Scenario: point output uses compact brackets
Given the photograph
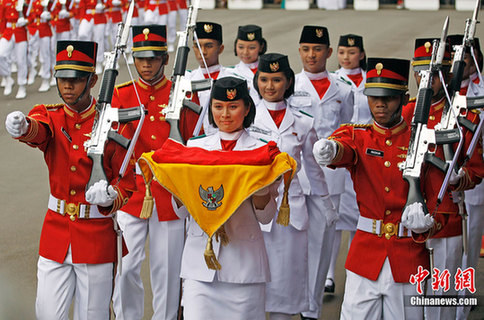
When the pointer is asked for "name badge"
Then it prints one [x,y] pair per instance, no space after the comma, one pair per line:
[375,153]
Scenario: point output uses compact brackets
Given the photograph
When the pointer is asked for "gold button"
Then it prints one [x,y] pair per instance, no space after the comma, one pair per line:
[75,147]
[73,192]
[389,228]
[153,137]
[387,189]
[162,118]
[387,164]
[388,236]
[152,98]
[78,126]
[431,117]
[387,212]
[152,118]
[73,168]
[388,142]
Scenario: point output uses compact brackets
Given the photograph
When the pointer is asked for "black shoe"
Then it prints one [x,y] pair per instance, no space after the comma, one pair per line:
[329,288]
[306,318]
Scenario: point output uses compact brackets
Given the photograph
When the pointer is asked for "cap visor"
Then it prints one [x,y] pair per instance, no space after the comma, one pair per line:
[382,92]
[69,73]
[148,54]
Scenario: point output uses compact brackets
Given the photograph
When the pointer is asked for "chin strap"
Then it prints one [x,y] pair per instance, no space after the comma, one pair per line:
[80,96]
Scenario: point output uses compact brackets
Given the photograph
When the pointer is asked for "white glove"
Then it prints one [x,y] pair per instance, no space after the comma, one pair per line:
[116,3]
[64,14]
[415,219]
[21,22]
[45,16]
[455,177]
[99,8]
[16,124]
[324,151]
[101,194]
[329,210]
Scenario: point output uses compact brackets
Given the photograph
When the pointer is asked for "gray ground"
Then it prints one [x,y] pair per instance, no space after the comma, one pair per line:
[24,188]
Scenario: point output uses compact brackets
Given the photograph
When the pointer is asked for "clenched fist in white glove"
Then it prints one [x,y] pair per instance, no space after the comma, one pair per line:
[64,14]
[16,124]
[455,177]
[99,7]
[45,16]
[116,3]
[324,151]
[21,22]
[101,194]
[415,219]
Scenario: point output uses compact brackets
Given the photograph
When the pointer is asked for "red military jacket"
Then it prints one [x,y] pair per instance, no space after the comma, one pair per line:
[60,133]
[60,25]
[36,23]
[371,153]
[153,134]
[113,13]
[433,178]
[9,16]
[87,11]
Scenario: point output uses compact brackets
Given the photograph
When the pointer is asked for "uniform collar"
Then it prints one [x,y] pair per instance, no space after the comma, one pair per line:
[396,129]
[274,106]
[351,71]
[436,106]
[212,69]
[252,65]
[86,113]
[230,135]
[157,85]
[316,76]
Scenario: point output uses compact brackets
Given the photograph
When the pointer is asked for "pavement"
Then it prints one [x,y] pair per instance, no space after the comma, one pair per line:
[24,189]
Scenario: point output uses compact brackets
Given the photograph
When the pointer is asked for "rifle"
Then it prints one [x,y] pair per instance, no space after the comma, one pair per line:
[181,87]
[107,117]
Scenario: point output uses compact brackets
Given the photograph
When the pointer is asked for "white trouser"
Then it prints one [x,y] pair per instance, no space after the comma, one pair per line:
[447,256]
[154,17]
[88,31]
[336,248]
[380,299]
[66,35]
[166,239]
[475,229]
[182,18]
[171,27]
[41,47]
[320,244]
[7,47]
[91,286]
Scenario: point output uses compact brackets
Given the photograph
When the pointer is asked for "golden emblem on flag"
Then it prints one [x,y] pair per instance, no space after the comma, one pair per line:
[211,198]
[70,49]
[379,68]
[208,28]
[251,36]
[319,33]
[231,93]
[274,66]
[427,46]
[146,31]
[351,41]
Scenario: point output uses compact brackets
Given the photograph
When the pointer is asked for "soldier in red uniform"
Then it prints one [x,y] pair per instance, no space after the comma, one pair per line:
[13,42]
[447,244]
[162,226]
[388,246]
[92,26]
[78,239]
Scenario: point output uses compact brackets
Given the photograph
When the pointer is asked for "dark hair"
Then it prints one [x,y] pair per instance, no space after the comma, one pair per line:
[363,64]
[249,118]
[289,76]
[262,42]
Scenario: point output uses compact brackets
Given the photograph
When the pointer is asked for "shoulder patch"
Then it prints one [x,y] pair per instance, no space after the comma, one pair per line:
[356,125]
[305,113]
[124,84]
[198,137]
[412,99]
[344,81]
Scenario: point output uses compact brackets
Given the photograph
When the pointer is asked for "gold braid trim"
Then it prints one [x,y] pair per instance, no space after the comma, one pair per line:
[32,131]
[222,236]
[210,258]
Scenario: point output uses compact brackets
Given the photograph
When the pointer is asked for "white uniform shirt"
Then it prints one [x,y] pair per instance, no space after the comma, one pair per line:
[244,70]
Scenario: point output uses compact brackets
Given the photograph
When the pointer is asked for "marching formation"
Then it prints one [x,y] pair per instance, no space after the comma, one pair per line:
[245,221]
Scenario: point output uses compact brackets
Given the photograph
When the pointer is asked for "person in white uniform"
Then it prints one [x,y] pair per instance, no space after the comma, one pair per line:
[237,290]
[352,62]
[210,40]
[330,101]
[248,46]
[278,120]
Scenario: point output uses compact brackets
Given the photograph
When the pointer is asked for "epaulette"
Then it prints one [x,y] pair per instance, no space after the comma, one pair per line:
[344,80]
[476,111]
[124,84]
[53,106]
[198,137]
[305,113]
[356,125]
[412,99]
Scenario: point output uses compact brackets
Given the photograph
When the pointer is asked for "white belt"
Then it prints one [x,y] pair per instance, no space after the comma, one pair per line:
[83,211]
[10,25]
[92,11]
[379,228]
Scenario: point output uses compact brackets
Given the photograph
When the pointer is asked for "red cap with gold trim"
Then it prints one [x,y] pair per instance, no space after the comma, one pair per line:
[386,77]
[149,41]
[75,59]
[423,54]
